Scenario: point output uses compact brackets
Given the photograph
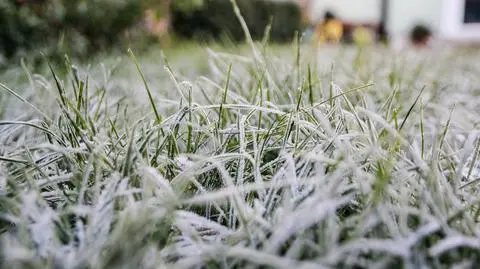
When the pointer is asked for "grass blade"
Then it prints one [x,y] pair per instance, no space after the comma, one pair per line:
[411,108]
[158,118]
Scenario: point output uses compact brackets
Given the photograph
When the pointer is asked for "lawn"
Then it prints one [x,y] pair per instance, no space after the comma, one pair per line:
[268,157]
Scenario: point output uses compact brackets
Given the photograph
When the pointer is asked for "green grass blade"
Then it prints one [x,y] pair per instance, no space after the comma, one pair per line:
[158,118]
[411,108]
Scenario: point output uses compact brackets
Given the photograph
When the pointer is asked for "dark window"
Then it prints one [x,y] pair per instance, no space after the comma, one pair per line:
[472,11]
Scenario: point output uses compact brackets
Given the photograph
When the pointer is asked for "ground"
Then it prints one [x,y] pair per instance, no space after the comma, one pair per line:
[254,157]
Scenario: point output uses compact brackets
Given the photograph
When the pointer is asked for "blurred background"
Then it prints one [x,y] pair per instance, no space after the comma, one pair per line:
[84,28]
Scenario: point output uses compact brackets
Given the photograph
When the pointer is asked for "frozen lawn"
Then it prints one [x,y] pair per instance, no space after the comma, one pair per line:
[336,158]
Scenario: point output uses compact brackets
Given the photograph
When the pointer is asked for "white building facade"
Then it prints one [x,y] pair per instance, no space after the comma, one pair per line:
[457,20]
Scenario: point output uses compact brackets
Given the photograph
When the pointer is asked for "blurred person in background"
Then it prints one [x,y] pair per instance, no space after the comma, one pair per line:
[157,22]
[330,30]
[305,8]
[420,36]
[309,26]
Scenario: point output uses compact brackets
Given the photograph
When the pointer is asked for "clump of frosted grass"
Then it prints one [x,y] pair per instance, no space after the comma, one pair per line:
[291,157]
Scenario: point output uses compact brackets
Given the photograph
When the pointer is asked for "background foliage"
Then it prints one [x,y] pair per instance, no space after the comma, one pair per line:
[57,25]
[216,19]
[84,27]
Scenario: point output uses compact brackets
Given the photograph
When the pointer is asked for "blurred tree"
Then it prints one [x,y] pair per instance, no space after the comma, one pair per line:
[21,2]
[158,17]
[83,27]
[187,6]
[55,26]
[19,26]
[101,22]
[215,19]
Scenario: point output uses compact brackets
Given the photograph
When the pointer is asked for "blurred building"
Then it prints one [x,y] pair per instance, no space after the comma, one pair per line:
[457,20]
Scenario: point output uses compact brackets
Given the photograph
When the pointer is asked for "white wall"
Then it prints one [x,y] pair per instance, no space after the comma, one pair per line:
[350,10]
[452,22]
[403,14]
[444,17]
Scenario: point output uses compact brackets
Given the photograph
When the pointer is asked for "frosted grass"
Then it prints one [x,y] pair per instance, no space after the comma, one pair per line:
[324,161]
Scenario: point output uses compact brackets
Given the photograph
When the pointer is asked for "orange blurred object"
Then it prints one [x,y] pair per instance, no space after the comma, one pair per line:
[157,26]
[330,31]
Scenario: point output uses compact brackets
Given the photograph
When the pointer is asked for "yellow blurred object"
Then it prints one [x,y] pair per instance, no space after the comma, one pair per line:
[362,36]
[330,31]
